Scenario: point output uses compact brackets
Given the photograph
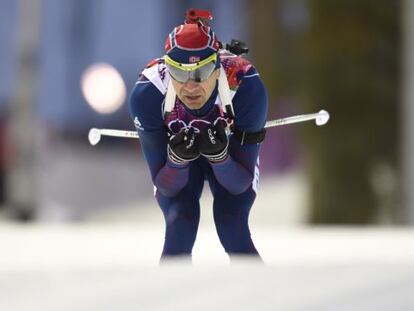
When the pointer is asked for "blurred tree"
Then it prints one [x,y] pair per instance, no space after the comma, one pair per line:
[353,51]
[22,186]
[343,56]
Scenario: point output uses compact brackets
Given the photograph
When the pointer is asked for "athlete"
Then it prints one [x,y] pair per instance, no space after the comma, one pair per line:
[200,111]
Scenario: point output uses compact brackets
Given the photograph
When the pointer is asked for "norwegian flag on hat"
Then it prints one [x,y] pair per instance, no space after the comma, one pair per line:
[194,40]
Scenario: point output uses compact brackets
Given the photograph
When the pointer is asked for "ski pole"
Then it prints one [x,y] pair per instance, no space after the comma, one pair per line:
[321,118]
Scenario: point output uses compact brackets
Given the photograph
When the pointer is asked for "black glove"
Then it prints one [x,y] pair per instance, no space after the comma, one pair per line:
[212,142]
[182,147]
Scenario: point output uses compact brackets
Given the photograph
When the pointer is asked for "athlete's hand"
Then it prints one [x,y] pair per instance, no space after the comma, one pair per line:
[182,146]
[212,142]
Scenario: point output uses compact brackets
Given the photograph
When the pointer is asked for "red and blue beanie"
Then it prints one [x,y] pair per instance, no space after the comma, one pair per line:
[193,41]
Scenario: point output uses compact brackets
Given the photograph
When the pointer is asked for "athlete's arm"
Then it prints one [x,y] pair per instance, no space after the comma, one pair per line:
[236,173]
[146,111]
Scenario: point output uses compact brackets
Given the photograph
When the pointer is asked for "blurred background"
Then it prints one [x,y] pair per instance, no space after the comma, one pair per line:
[69,65]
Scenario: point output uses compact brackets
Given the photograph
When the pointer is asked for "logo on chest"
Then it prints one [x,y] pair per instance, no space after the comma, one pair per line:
[180,118]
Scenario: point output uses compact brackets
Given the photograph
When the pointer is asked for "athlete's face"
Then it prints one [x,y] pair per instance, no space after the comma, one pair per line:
[195,94]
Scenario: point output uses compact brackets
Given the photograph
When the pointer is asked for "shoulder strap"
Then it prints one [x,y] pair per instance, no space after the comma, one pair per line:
[169,99]
[224,93]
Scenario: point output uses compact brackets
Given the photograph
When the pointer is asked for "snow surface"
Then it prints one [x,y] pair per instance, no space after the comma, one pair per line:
[115,267]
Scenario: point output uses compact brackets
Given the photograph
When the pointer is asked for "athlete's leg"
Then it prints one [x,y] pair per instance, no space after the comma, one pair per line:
[231,215]
[182,215]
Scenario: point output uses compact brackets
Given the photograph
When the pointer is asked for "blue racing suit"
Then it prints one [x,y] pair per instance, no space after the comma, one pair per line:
[233,182]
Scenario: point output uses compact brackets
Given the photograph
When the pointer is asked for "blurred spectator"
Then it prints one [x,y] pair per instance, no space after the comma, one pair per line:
[5,150]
